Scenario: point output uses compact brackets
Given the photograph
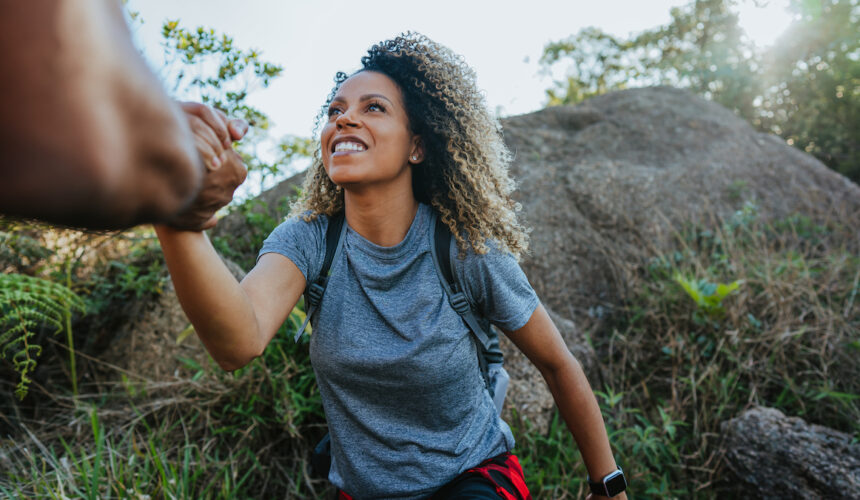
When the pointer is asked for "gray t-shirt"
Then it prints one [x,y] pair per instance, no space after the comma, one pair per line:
[396,366]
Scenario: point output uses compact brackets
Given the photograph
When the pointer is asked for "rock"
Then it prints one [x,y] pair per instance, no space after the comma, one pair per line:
[781,457]
[274,203]
[605,184]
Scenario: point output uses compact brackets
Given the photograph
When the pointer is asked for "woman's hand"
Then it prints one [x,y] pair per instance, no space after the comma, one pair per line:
[225,171]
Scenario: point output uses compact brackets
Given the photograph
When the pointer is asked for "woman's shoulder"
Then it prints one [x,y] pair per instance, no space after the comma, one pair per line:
[305,230]
[307,221]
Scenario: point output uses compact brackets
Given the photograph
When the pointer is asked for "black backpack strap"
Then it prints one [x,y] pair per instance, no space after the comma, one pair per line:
[485,339]
[315,290]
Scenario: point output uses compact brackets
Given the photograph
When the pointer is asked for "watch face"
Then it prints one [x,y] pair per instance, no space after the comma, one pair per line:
[615,483]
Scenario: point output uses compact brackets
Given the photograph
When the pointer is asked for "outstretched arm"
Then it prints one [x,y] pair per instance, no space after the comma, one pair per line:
[88,136]
[234,321]
[541,342]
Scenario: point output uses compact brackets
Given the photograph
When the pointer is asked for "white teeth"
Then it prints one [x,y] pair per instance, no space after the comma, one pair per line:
[348,146]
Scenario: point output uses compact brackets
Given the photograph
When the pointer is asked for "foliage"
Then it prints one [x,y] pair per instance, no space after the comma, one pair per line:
[20,249]
[26,304]
[804,88]
[813,78]
[248,432]
[708,296]
[647,451]
[211,435]
[673,373]
[258,220]
[703,361]
[138,273]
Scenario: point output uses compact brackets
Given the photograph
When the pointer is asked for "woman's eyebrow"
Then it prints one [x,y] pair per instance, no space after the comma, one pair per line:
[367,97]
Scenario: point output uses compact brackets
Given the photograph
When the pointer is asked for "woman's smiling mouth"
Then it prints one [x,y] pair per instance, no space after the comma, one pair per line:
[347,145]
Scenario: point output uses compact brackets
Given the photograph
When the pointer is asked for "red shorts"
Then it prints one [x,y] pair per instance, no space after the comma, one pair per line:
[497,477]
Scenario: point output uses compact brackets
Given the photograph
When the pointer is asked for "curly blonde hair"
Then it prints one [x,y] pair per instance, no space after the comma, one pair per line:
[464,175]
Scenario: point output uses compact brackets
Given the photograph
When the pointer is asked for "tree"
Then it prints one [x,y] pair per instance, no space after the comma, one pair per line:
[806,88]
[813,78]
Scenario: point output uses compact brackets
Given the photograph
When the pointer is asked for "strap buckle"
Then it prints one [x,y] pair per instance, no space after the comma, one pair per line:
[459,302]
[315,292]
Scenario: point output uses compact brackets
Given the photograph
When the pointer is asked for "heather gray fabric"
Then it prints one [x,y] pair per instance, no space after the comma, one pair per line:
[396,366]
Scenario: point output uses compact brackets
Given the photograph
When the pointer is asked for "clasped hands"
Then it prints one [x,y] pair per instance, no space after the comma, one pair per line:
[214,134]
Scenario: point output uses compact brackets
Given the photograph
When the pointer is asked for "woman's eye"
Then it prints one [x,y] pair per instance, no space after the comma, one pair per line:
[375,106]
[333,111]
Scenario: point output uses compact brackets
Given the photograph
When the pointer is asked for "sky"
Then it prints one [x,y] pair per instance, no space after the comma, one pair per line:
[502,40]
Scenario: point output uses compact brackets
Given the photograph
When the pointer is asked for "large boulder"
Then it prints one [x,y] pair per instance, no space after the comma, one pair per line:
[606,183]
[781,457]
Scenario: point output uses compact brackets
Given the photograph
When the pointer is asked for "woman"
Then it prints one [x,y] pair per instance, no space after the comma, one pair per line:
[409,416]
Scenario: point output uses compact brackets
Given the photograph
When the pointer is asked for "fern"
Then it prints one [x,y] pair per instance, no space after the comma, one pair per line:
[27,303]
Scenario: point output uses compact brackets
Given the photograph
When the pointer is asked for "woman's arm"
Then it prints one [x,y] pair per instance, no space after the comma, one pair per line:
[541,342]
[234,321]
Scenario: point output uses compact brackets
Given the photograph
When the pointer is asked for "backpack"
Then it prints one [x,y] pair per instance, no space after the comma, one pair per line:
[490,357]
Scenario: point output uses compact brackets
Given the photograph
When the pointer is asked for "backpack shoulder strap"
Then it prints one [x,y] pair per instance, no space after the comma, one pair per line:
[485,338]
[314,291]
[441,250]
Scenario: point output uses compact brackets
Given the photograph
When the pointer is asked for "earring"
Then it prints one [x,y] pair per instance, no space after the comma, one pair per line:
[414,158]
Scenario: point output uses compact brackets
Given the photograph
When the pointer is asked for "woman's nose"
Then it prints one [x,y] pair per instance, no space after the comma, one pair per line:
[345,120]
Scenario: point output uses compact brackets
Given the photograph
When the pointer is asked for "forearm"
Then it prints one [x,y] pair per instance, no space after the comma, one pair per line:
[220,310]
[578,406]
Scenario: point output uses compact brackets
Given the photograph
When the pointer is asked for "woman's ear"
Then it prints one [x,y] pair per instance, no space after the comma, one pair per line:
[416,154]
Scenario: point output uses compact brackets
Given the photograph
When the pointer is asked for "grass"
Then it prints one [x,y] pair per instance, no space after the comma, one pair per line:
[745,312]
[764,314]
[785,337]
[215,435]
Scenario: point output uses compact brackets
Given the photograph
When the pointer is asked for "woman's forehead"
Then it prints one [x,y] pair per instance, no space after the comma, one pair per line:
[369,82]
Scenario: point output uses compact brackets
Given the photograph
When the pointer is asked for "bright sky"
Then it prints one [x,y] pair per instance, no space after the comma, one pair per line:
[502,40]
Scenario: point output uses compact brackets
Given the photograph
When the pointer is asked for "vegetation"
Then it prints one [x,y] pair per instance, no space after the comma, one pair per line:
[26,304]
[686,355]
[805,88]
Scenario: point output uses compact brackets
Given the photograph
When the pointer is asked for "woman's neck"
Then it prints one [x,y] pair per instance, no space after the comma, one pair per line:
[381,218]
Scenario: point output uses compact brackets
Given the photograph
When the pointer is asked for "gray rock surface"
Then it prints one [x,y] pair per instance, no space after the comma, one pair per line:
[606,183]
[783,457]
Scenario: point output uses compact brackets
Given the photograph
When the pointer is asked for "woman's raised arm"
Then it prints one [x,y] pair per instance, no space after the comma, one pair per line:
[234,321]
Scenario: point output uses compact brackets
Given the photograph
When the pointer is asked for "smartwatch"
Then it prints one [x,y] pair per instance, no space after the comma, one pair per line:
[611,484]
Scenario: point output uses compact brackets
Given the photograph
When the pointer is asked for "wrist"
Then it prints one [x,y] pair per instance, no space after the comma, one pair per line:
[610,485]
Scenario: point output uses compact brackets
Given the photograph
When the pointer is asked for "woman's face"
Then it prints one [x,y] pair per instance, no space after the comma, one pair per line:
[367,139]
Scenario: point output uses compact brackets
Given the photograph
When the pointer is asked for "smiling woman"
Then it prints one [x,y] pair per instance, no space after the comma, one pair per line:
[404,142]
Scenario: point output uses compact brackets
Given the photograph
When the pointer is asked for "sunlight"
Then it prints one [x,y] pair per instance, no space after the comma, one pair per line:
[764,21]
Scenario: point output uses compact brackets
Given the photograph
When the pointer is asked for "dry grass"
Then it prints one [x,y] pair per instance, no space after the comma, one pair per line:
[788,338]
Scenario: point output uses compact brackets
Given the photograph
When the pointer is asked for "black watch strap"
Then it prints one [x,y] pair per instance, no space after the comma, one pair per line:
[611,484]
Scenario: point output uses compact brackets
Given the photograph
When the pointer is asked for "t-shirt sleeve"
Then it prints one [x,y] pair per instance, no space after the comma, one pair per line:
[497,286]
[299,241]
